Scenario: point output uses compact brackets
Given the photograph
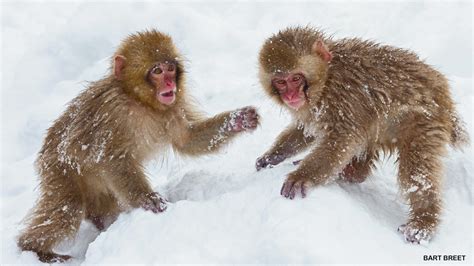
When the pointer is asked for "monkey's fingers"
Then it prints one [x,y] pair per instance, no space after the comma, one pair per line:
[302,187]
[249,109]
[154,202]
[155,208]
[50,257]
[292,187]
[297,162]
[287,189]
[250,118]
[252,124]
[268,161]
[159,206]
[297,186]
[414,235]
[262,162]
[163,205]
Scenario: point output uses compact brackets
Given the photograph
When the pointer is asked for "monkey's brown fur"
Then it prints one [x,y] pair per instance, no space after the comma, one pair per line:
[369,98]
[91,162]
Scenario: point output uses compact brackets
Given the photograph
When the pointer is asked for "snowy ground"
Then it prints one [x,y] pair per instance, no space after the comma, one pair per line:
[222,210]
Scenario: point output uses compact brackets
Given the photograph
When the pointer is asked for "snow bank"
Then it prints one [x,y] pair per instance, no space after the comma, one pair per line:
[222,210]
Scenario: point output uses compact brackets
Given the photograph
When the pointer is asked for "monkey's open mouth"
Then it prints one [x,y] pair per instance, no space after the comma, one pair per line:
[167,97]
[167,94]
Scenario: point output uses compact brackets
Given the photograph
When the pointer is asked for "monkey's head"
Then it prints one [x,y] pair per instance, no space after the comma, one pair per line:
[292,63]
[150,68]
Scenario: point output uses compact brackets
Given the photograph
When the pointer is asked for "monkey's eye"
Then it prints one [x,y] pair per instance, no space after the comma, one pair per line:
[279,85]
[296,78]
[171,67]
[157,70]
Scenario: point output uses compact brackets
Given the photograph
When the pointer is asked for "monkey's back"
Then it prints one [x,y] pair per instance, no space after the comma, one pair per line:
[378,86]
[401,72]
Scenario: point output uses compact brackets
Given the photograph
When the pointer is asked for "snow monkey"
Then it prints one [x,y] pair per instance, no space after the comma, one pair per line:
[91,162]
[351,100]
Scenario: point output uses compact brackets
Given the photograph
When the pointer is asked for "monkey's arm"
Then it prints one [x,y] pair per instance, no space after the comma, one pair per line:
[291,141]
[329,157]
[208,135]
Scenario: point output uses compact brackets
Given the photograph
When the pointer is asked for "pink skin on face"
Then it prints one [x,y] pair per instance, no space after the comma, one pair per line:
[163,77]
[290,87]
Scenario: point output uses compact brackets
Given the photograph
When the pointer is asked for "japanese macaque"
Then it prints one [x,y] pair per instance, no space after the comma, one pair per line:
[351,100]
[91,162]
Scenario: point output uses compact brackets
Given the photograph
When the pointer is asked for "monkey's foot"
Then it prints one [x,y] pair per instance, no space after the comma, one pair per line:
[351,174]
[294,186]
[50,257]
[415,234]
[98,222]
[154,202]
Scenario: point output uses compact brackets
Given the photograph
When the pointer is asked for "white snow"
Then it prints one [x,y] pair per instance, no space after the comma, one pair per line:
[221,210]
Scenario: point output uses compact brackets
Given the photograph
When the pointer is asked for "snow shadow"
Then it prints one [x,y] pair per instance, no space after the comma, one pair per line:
[381,200]
[202,185]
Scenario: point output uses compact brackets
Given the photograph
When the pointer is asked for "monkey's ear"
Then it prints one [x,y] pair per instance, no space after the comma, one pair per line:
[320,48]
[119,64]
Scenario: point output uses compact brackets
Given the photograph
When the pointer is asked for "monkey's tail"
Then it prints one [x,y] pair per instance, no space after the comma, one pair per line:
[56,217]
[459,135]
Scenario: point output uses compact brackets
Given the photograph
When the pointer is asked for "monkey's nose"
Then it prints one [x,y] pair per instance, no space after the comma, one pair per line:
[169,83]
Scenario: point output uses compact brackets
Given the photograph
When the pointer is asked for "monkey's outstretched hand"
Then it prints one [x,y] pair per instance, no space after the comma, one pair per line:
[243,119]
[296,185]
[154,202]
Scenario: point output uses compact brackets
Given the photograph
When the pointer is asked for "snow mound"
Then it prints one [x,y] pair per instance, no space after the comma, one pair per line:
[221,210]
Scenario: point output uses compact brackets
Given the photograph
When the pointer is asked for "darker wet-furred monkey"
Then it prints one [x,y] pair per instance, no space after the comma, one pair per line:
[351,100]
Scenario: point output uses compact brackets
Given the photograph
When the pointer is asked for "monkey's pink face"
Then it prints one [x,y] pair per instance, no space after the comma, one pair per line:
[290,88]
[163,78]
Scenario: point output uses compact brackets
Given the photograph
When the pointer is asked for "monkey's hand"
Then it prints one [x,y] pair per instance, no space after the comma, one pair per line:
[269,160]
[242,119]
[295,184]
[154,202]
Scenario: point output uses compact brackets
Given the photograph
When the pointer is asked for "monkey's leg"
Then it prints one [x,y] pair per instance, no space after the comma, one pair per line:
[56,217]
[131,185]
[358,169]
[103,221]
[328,158]
[208,135]
[102,210]
[291,141]
[419,176]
